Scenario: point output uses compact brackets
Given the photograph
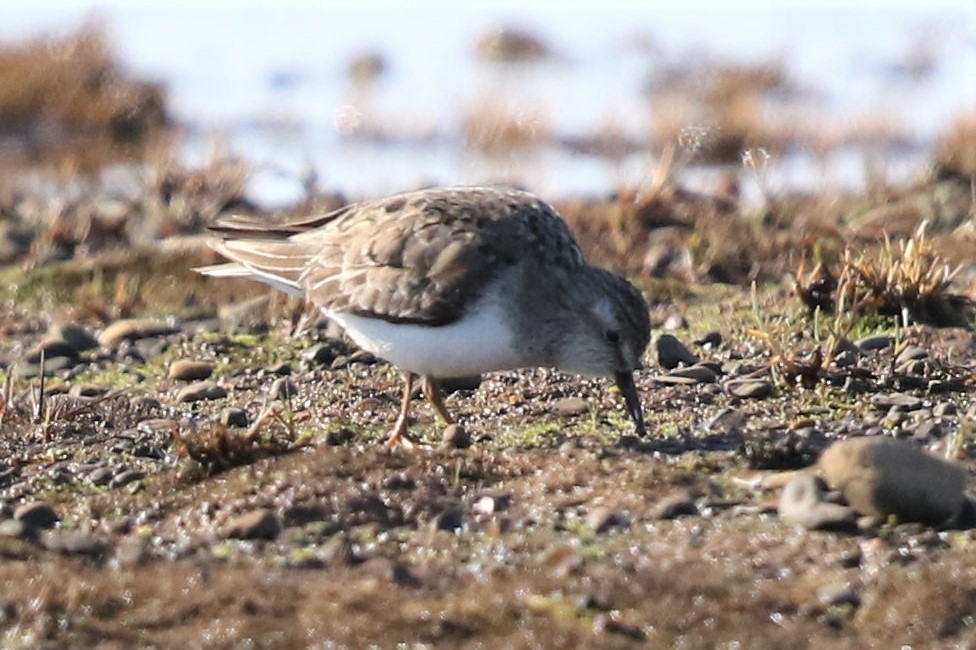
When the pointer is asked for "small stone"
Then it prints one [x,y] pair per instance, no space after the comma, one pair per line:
[14,528]
[803,502]
[321,354]
[282,369]
[256,524]
[900,400]
[882,476]
[456,436]
[450,519]
[749,388]
[37,514]
[671,352]
[126,477]
[363,357]
[570,406]
[74,542]
[601,519]
[696,374]
[944,409]
[100,476]
[201,390]
[232,416]
[337,552]
[928,431]
[840,593]
[911,353]
[710,340]
[674,506]
[51,349]
[725,422]
[872,343]
[77,337]
[190,370]
[283,388]
[132,329]
[674,322]
[248,315]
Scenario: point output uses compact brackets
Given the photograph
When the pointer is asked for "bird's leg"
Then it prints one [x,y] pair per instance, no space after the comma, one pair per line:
[433,393]
[398,436]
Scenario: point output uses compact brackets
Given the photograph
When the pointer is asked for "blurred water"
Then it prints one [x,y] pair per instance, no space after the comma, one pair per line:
[272,83]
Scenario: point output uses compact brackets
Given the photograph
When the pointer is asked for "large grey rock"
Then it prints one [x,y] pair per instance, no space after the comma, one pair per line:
[883,476]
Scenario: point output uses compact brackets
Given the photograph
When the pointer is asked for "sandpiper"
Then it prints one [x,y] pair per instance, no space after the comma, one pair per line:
[451,282]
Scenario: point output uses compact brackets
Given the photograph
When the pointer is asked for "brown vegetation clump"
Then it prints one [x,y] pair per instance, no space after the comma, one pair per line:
[906,278]
[67,100]
[956,154]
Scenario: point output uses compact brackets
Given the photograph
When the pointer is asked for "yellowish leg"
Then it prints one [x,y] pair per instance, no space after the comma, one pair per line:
[432,391]
[398,436]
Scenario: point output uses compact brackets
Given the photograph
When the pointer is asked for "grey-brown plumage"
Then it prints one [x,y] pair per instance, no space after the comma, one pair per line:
[434,258]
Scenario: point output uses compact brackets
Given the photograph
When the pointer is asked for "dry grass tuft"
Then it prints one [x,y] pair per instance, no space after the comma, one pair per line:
[907,278]
[67,100]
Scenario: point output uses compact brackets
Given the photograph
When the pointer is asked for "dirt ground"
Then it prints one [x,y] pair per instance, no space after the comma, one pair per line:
[192,463]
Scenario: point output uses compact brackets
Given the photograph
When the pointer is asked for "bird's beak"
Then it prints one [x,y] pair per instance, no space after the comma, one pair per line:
[625,382]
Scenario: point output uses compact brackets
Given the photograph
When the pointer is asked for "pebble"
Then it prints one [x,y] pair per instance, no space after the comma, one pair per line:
[882,476]
[37,514]
[871,343]
[248,315]
[190,370]
[450,519]
[674,322]
[749,388]
[282,369]
[802,502]
[674,506]
[283,388]
[710,340]
[100,476]
[696,374]
[14,528]
[337,551]
[456,436]
[131,329]
[232,416]
[77,337]
[601,519]
[911,353]
[320,354]
[570,406]
[201,390]
[671,352]
[900,400]
[126,477]
[944,409]
[838,593]
[74,542]
[256,524]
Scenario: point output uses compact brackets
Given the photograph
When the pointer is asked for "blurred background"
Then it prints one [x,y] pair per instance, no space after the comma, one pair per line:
[579,101]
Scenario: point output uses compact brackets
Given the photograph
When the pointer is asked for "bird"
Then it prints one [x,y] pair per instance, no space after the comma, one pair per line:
[450,282]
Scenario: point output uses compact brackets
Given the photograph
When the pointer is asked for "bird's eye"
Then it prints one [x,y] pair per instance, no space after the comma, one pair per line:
[612,336]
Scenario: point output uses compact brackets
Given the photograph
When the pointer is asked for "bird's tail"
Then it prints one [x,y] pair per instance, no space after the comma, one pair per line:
[279,263]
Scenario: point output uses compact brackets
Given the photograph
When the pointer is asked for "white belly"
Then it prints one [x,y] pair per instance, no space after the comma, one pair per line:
[480,342]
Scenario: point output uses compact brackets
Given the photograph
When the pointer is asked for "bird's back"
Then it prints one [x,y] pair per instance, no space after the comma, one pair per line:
[418,257]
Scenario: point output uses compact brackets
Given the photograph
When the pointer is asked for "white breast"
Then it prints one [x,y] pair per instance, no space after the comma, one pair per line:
[480,342]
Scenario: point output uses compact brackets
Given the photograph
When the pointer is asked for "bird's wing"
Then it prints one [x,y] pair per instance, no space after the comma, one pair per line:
[410,258]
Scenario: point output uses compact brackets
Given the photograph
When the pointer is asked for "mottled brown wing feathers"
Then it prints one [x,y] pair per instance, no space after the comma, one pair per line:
[413,258]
